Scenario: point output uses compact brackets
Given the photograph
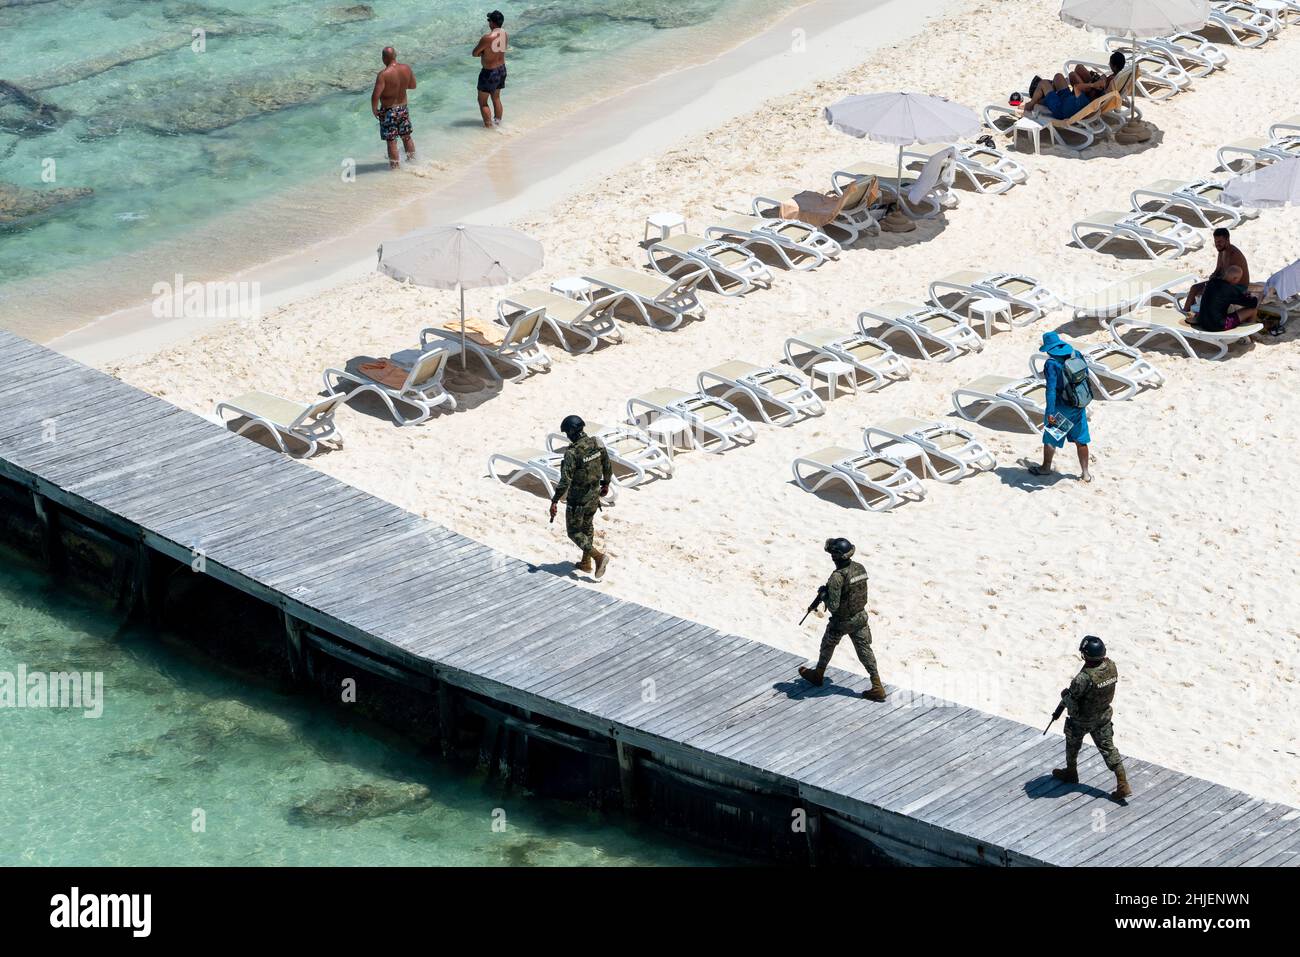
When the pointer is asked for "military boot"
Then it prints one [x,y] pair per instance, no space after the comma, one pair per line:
[877,690]
[585,564]
[1069,774]
[1122,790]
[813,675]
[602,562]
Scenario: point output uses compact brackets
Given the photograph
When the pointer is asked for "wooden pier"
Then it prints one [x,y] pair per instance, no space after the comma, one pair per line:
[680,711]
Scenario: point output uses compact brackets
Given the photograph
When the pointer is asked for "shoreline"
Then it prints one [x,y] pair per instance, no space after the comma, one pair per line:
[630,123]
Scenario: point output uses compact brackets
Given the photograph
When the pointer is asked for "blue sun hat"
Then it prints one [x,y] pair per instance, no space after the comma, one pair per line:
[1054,345]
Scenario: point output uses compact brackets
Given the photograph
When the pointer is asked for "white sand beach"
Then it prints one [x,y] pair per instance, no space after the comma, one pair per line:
[1181,554]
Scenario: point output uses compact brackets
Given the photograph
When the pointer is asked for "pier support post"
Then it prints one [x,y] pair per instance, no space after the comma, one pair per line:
[294,647]
[813,833]
[48,517]
[627,775]
[446,720]
[146,595]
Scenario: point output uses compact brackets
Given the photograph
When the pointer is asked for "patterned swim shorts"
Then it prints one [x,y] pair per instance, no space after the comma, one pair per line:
[395,122]
[490,81]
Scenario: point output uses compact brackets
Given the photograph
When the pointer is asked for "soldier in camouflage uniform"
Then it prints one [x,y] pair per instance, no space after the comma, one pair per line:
[845,595]
[585,475]
[1087,704]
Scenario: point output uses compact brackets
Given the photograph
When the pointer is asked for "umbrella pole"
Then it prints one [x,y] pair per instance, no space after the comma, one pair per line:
[462,325]
[1133,131]
[898,221]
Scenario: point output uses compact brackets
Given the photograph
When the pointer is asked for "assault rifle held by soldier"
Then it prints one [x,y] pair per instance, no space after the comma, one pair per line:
[819,600]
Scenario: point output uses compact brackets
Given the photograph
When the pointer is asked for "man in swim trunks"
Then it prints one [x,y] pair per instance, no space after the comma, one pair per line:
[491,51]
[1065,96]
[388,103]
[1220,293]
[1229,255]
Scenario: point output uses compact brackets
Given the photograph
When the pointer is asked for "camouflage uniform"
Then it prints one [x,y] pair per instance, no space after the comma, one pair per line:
[585,469]
[1087,702]
[846,600]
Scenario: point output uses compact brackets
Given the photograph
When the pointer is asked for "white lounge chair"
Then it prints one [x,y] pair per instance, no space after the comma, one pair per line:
[1289,126]
[661,302]
[1128,294]
[1115,371]
[1252,152]
[633,454]
[1196,55]
[765,387]
[418,385]
[307,424]
[1167,321]
[1244,26]
[1198,198]
[1145,230]
[1025,396]
[889,481]
[516,345]
[851,214]
[868,355]
[1094,122]
[797,244]
[1155,79]
[937,333]
[923,196]
[1029,299]
[948,453]
[985,168]
[587,322]
[711,424]
[538,464]
[732,269]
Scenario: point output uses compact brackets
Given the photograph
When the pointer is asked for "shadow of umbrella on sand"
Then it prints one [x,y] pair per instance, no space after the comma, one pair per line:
[461,256]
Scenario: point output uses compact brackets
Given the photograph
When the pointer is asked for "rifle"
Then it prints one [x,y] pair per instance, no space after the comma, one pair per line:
[819,600]
[1055,714]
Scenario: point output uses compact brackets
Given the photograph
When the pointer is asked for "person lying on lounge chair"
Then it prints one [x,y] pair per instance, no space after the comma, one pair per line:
[1218,295]
[1064,96]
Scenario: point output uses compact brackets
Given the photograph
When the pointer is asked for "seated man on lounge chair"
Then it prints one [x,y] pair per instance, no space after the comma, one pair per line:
[1229,255]
[1065,96]
[1217,296]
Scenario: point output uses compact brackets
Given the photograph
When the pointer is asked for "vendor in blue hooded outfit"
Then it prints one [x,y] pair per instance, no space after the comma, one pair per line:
[1058,350]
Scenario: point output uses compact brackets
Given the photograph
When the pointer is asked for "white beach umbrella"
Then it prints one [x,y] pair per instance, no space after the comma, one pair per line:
[1137,20]
[460,256]
[902,119]
[1277,184]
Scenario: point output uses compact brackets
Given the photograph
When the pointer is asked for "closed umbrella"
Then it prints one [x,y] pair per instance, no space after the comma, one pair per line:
[1137,20]
[461,256]
[1277,184]
[902,119]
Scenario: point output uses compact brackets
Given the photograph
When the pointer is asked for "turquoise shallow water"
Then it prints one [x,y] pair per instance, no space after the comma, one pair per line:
[275,776]
[112,97]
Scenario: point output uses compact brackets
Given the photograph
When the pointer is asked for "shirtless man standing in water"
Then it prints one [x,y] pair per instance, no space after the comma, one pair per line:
[388,103]
[491,51]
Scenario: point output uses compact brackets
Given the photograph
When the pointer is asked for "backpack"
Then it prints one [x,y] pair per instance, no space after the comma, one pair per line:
[1074,390]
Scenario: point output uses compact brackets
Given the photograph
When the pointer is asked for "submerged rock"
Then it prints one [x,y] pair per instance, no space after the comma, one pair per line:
[24,113]
[18,204]
[341,806]
[352,14]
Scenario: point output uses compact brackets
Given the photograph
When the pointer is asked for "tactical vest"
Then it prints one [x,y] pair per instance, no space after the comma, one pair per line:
[853,591]
[587,469]
[1093,706]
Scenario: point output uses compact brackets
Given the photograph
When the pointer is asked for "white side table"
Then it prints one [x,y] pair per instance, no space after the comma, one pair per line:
[665,223]
[832,371]
[665,429]
[988,310]
[1276,11]
[575,287]
[1030,126]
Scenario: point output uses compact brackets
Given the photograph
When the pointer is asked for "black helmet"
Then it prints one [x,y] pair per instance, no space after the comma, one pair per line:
[1092,648]
[572,427]
[839,547]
